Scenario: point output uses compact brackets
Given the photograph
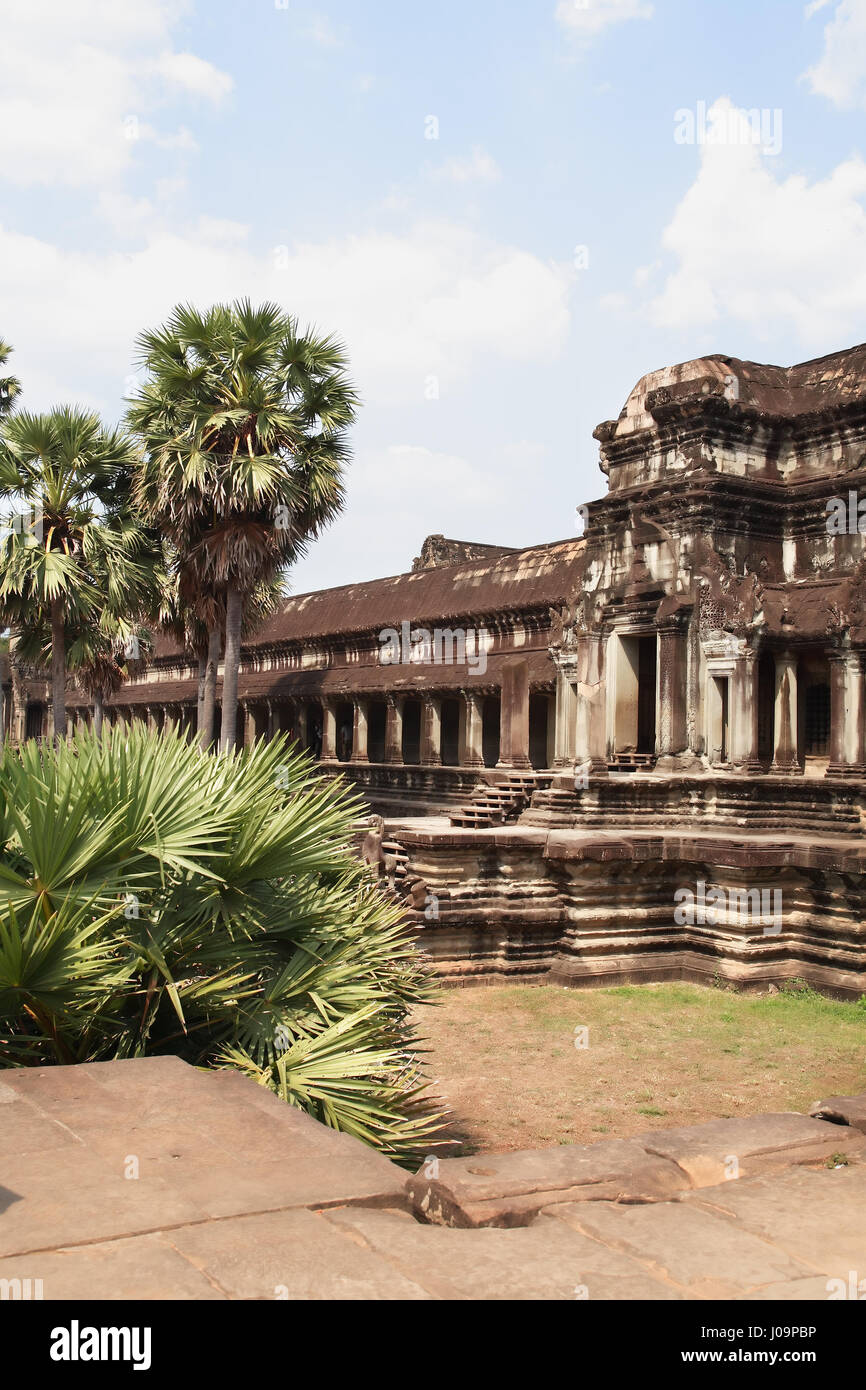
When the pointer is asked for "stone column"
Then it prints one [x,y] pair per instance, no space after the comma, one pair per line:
[838,712]
[592,705]
[567,711]
[745,715]
[329,732]
[472,748]
[671,736]
[269,706]
[359,733]
[514,716]
[785,759]
[393,728]
[431,732]
[847,731]
[249,726]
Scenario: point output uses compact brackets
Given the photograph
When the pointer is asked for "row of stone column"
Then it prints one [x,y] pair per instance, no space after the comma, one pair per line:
[260,721]
[514,728]
[581,707]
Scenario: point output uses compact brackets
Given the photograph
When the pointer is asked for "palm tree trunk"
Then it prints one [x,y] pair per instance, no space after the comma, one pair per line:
[98,714]
[234,618]
[205,727]
[202,672]
[58,669]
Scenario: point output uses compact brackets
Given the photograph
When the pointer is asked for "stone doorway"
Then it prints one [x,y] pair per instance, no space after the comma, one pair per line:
[412,732]
[766,706]
[718,692]
[450,733]
[539,715]
[635,687]
[345,730]
[376,714]
[490,730]
[813,713]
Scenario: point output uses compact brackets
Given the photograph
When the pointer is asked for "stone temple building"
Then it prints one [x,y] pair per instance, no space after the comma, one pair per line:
[634,754]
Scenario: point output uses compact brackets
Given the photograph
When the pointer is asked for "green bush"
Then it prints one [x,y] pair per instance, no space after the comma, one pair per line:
[155,899]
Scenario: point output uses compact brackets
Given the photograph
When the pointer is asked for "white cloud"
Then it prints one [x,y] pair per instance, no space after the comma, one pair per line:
[195,75]
[586,18]
[840,73]
[432,302]
[777,254]
[76,82]
[480,167]
[390,507]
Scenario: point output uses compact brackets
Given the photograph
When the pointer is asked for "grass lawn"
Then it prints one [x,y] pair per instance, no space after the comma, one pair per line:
[504,1059]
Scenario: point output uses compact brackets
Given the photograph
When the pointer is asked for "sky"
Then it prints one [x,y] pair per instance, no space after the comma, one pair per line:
[508,210]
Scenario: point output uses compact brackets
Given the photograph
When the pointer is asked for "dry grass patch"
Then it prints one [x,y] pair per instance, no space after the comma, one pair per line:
[658,1056]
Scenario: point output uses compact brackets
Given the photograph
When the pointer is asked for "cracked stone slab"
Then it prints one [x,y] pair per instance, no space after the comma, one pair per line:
[697,1250]
[107,1150]
[816,1216]
[842,1110]
[722,1149]
[509,1189]
[543,1261]
[141,1267]
[291,1255]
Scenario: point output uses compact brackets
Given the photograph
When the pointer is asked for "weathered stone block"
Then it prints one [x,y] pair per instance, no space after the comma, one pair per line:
[509,1189]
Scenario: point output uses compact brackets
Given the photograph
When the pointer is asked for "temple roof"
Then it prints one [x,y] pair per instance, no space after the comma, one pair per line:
[807,387]
[518,580]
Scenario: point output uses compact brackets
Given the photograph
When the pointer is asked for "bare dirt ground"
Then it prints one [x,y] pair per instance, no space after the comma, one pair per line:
[529,1067]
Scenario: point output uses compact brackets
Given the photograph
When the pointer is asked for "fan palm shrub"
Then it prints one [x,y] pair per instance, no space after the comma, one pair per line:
[155,900]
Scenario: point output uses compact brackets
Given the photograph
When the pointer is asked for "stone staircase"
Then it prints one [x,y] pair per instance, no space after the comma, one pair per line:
[497,803]
[396,854]
[632,762]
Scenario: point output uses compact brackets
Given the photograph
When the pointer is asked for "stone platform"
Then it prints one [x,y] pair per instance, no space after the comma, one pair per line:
[590,905]
[147,1179]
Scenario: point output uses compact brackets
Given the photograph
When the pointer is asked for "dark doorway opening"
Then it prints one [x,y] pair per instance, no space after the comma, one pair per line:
[766,706]
[539,713]
[345,730]
[33,721]
[376,713]
[490,715]
[412,732]
[646,695]
[450,747]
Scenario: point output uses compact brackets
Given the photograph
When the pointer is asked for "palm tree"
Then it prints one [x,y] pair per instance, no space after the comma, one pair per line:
[10,386]
[86,550]
[244,421]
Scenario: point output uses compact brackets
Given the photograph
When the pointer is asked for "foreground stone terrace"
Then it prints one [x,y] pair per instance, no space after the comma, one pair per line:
[239,1196]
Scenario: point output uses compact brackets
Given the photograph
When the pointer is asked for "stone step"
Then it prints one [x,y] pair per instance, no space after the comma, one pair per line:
[510,1189]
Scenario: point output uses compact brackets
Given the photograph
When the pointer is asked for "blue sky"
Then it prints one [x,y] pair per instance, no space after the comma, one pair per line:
[501,287]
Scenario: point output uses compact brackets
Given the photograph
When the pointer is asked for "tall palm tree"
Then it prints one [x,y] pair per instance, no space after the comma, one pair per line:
[10,386]
[244,420]
[87,549]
